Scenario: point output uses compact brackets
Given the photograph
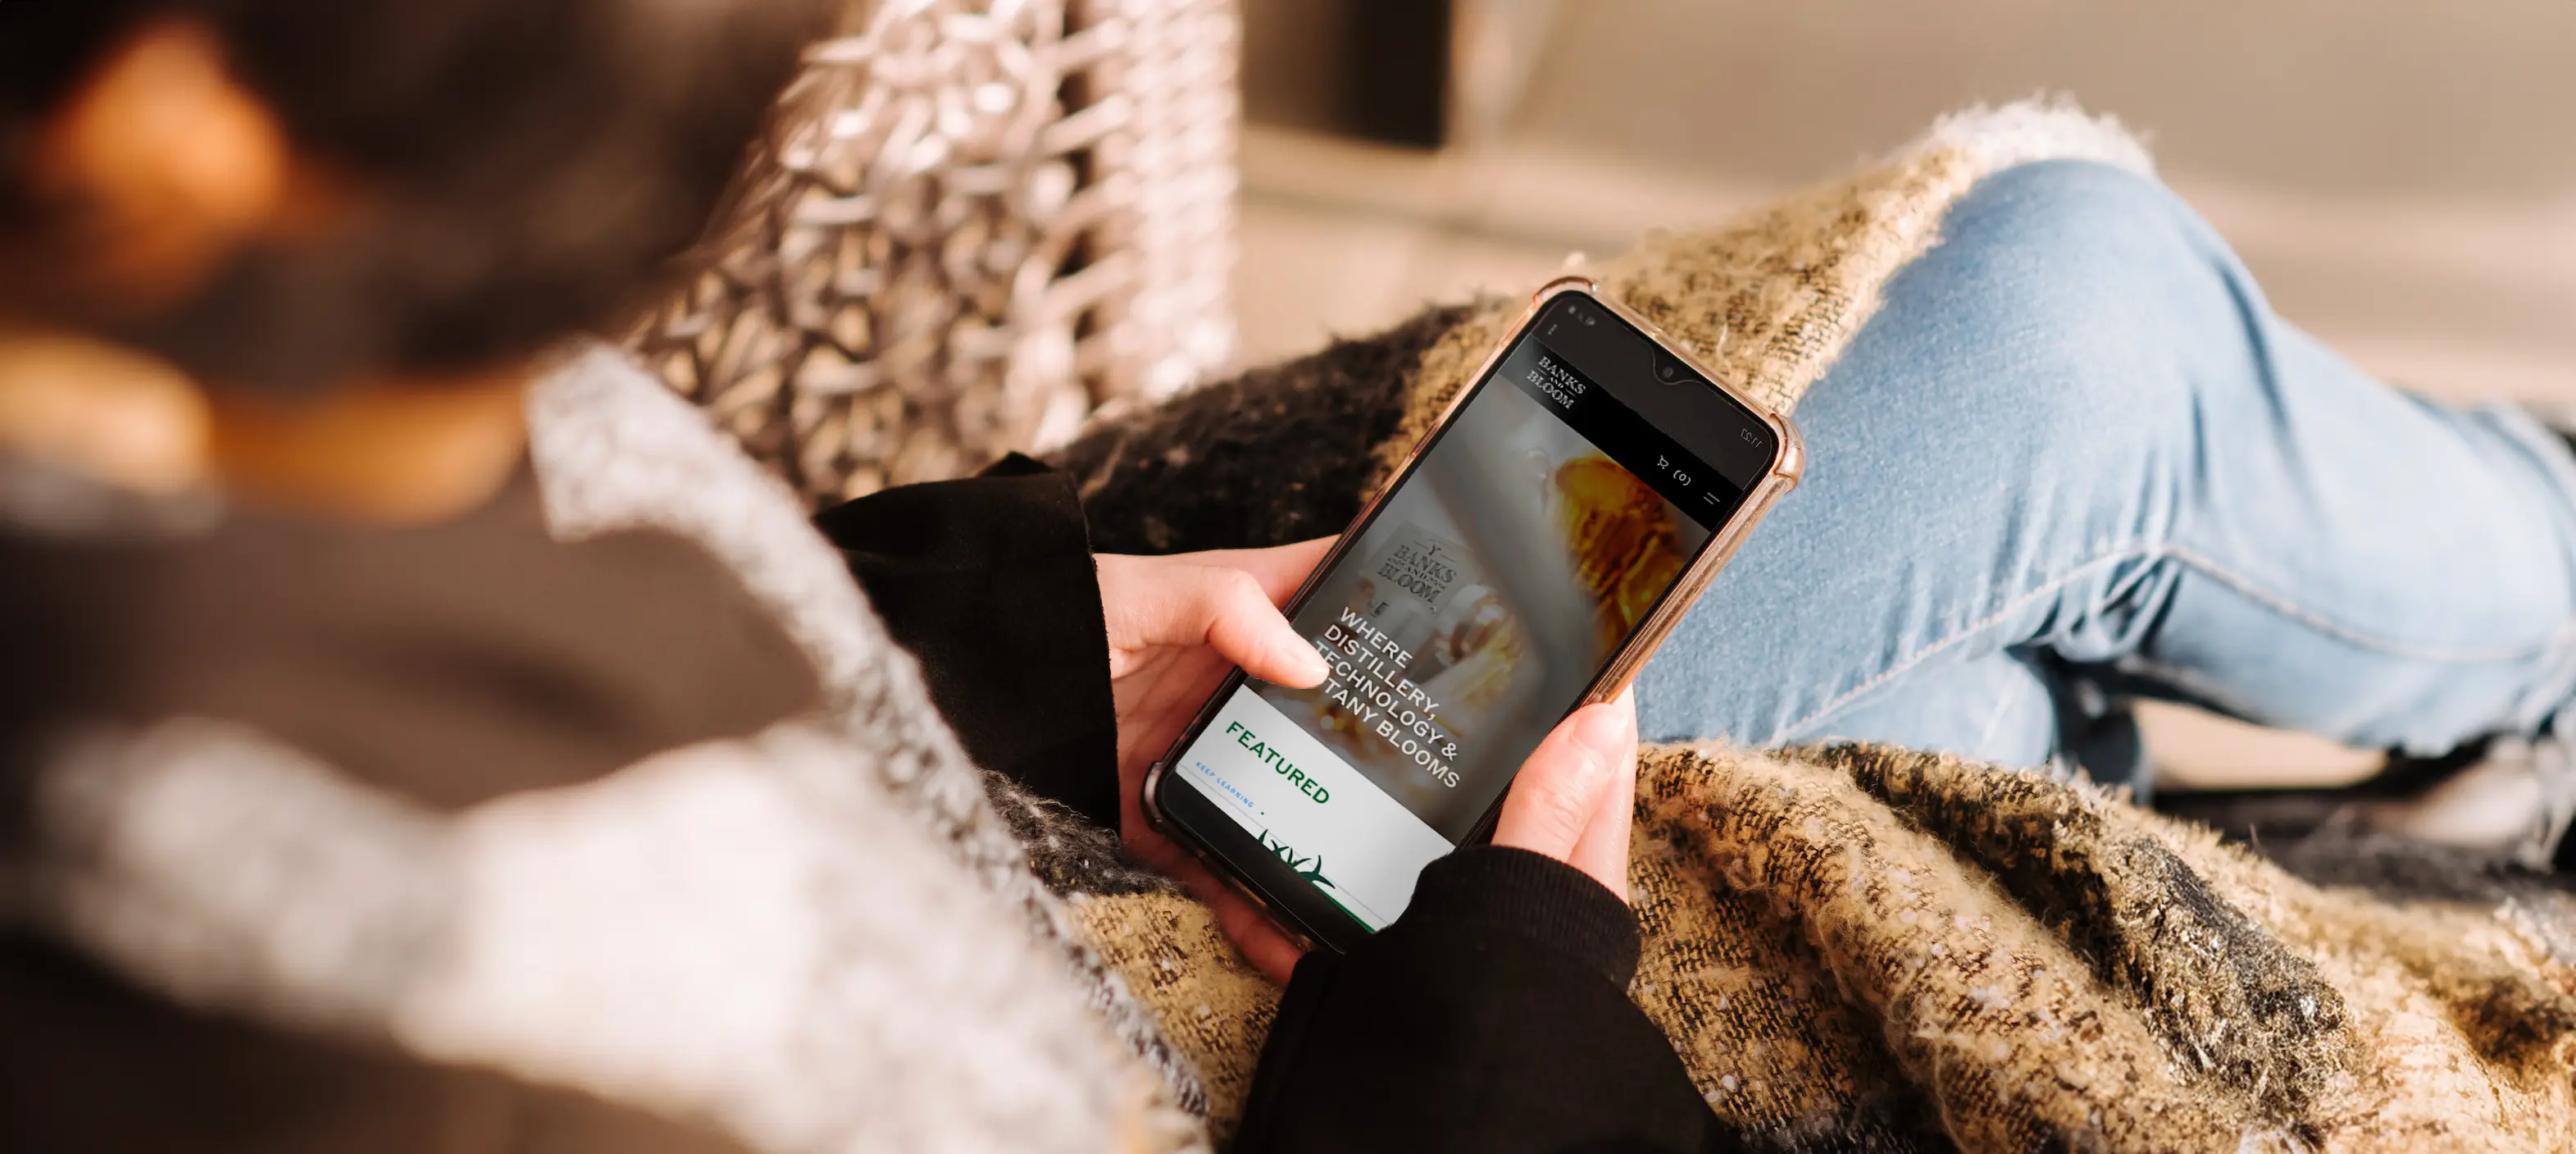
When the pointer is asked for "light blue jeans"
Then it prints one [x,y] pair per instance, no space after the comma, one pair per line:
[2075,458]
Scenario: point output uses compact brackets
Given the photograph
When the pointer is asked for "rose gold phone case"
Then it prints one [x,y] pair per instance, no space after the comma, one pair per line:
[1787,465]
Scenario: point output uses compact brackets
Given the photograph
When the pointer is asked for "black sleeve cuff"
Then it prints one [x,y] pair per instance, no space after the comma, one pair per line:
[1497,889]
[1492,1017]
[989,582]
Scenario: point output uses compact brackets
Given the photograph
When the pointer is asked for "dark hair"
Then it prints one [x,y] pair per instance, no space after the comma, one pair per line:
[534,163]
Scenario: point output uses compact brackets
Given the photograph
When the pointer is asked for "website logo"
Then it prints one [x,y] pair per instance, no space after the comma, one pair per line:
[1311,868]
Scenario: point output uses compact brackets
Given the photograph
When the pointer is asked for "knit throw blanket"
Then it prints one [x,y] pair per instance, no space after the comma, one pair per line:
[1870,949]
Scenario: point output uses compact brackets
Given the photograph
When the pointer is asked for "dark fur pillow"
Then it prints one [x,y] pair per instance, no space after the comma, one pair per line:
[1276,455]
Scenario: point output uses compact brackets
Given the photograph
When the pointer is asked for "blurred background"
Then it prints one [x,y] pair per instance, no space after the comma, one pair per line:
[2400,173]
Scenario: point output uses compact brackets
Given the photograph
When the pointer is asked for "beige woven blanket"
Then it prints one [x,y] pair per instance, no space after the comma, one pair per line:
[1874,949]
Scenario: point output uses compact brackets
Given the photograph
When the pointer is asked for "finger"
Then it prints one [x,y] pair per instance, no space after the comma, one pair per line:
[1227,610]
[1261,941]
[1561,785]
[1280,569]
[1602,851]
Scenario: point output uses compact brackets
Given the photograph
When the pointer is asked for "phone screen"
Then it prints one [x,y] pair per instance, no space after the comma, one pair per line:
[1469,615]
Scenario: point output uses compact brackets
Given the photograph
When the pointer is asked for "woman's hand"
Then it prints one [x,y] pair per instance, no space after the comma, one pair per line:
[1176,625]
[1574,797]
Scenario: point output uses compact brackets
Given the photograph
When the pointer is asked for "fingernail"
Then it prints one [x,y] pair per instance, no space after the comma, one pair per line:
[1310,665]
[1603,730]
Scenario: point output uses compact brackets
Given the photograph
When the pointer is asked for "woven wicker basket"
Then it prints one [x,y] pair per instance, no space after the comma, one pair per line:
[973,226]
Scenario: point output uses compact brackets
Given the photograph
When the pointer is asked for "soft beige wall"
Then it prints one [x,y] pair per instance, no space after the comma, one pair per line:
[2434,97]
[2400,173]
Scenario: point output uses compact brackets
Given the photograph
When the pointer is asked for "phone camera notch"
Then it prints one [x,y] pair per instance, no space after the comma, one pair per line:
[1670,370]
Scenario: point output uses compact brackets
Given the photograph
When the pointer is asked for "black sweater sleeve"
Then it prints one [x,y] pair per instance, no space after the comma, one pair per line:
[1493,1016]
[989,582]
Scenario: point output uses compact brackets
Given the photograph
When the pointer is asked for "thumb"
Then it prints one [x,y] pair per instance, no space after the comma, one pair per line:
[1564,784]
[1224,609]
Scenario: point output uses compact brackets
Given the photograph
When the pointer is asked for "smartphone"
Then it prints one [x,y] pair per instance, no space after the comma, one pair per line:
[1536,546]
